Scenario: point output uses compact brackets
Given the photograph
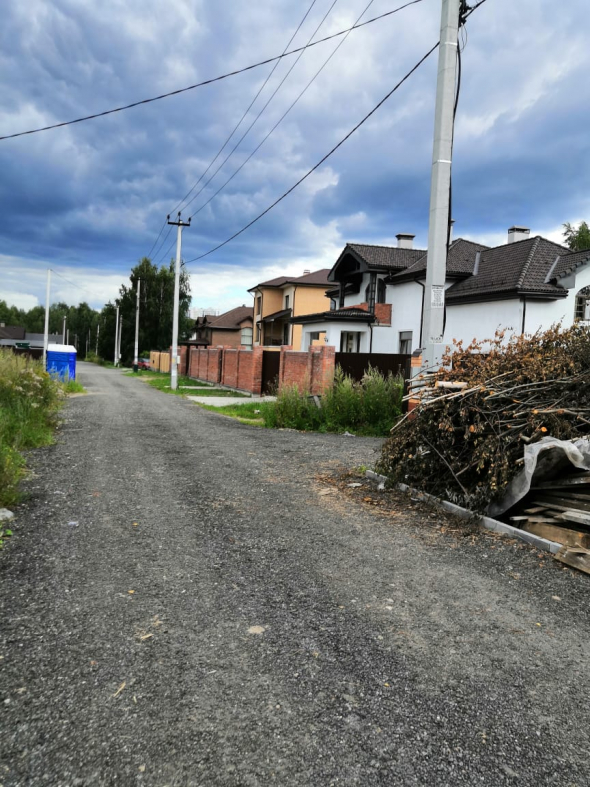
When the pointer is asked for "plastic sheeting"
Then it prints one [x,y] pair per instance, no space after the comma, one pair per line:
[543,461]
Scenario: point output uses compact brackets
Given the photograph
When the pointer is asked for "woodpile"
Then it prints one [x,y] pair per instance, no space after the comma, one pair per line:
[559,510]
[465,440]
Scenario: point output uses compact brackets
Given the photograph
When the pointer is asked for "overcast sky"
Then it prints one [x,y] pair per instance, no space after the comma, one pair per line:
[89,200]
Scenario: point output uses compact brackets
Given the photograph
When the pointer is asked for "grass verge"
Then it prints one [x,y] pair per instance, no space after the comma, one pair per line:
[161,381]
[29,403]
[248,413]
[367,408]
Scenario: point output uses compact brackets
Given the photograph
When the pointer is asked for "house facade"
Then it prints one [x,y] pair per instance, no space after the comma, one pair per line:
[523,286]
[231,329]
[278,302]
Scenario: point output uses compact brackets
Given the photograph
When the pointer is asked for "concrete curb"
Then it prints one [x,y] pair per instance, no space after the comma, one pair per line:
[484,521]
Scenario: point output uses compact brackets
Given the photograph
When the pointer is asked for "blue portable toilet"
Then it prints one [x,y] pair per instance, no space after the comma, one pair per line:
[61,361]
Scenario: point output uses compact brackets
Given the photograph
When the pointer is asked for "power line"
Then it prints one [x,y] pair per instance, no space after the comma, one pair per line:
[257,148]
[256,119]
[82,289]
[241,120]
[205,82]
[321,161]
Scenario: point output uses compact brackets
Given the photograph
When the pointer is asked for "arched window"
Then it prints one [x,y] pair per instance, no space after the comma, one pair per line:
[582,305]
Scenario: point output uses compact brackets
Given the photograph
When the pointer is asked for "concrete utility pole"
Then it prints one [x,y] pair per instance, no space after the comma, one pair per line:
[97,333]
[116,361]
[46,331]
[438,228]
[120,335]
[174,361]
[64,330]
[136,351]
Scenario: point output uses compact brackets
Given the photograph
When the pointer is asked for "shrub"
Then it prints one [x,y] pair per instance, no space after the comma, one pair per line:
[369,407]
[29,402]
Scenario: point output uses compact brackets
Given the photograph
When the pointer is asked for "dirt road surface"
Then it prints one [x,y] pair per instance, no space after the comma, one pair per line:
[186,601]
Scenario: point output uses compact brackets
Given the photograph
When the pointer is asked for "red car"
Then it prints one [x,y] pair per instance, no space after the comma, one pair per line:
[143,363]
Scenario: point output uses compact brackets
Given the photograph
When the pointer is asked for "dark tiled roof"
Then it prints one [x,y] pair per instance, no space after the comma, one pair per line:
[231,320]
[12,332]
[352,313]
[319,277]
[385,257]
[520,267]
[277,315]
[460,262]
[568,263]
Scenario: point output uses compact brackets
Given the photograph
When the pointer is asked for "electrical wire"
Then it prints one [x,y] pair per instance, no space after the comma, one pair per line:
[241,120]
[205,82]
[472,8]
[257,148]
[257,118]
[321,161]
[221,149]
[82,289]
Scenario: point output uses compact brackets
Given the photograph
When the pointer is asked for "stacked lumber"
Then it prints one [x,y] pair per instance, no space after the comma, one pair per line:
[559,510]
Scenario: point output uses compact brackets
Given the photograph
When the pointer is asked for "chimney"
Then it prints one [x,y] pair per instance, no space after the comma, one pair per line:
[405,241]
[518,233]
[306,272]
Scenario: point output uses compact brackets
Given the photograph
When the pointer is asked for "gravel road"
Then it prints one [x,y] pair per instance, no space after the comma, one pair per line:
[183,603]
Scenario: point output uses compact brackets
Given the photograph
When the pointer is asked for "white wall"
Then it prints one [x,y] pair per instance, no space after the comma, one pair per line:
[406,314]
[468,321]
[333,332]
[543,314]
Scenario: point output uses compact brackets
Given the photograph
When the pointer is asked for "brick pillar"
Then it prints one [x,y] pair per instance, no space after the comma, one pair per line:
[328,366]
[416,366]
[257,354]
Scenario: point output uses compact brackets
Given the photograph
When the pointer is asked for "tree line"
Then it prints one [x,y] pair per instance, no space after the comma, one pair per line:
[94,331]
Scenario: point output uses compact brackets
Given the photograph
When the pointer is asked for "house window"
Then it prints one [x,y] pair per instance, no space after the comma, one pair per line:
[258,332]
[286,301]
[246,337]
[258,304]
[405,342]
[582,312]
[381,289]
[286,333]
[350,342]
[314,336]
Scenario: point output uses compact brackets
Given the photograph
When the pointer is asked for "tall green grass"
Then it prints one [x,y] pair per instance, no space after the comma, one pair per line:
[369,407]
[29,402]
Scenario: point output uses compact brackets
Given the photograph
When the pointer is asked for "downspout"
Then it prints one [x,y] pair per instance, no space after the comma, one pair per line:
[422,309]
[523,312]
[371,339]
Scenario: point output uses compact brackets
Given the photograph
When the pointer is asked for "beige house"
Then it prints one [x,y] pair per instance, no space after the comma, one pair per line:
[279,300]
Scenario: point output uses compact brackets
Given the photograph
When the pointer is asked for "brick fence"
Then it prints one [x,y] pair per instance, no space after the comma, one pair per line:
[312,370]
[242,369]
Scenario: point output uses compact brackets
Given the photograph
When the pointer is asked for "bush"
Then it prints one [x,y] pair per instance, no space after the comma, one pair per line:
[370,407]
[29,402]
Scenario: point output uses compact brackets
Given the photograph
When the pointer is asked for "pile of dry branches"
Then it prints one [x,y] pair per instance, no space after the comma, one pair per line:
[465,439]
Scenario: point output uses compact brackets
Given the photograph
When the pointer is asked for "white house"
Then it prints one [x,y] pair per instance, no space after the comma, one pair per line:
[522,286]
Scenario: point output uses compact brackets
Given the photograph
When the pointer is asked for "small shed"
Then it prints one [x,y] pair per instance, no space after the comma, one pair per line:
[61,361]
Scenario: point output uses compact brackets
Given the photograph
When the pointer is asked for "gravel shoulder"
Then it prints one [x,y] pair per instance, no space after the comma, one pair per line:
[191,601]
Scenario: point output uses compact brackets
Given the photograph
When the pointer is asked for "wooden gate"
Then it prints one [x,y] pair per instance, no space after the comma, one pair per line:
[271,362]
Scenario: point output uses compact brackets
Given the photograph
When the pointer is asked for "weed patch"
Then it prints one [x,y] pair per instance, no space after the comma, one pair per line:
[29,402]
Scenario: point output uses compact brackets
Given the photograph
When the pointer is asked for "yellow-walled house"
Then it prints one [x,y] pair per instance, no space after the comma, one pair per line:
[278,300]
